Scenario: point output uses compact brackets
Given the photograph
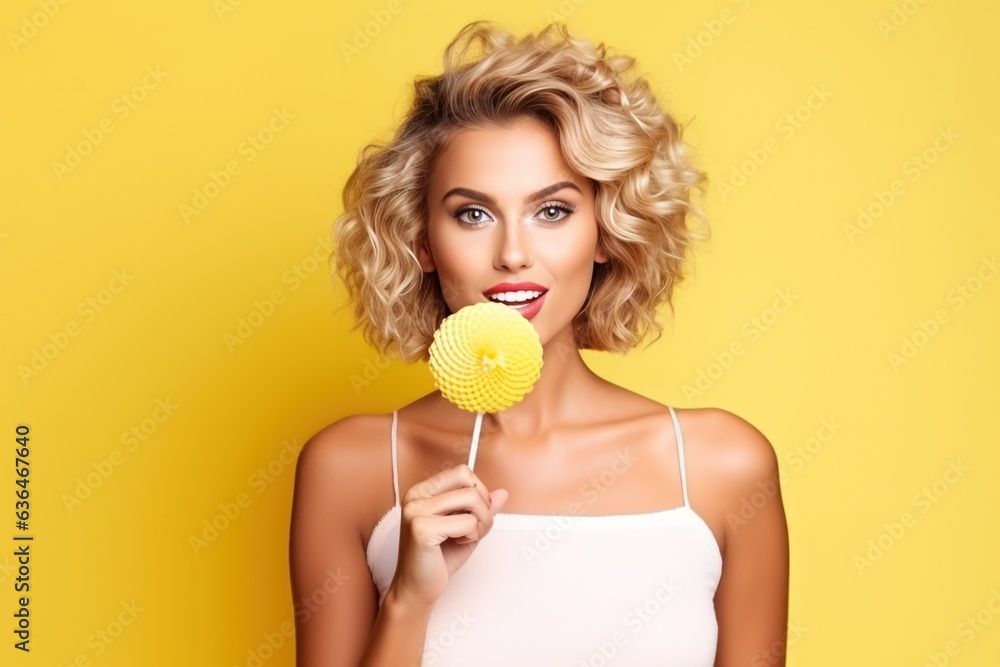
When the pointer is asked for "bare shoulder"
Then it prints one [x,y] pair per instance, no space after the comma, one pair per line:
[347,436]
[343,444]
[732,472]
[735,451]
[340,460]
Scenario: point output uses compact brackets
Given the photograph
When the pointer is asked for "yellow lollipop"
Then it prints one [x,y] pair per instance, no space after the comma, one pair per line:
[486,357]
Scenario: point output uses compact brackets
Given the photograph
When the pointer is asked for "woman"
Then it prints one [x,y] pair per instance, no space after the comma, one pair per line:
[599,526]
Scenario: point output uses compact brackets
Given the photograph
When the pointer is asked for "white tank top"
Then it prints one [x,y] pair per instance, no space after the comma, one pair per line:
[580,591]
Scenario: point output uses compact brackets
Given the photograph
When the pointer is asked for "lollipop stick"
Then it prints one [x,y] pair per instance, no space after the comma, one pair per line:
[475,440]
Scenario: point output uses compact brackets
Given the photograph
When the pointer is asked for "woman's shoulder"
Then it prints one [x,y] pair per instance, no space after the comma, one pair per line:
[339,465]
[345,455]
[737,454]
[348,436]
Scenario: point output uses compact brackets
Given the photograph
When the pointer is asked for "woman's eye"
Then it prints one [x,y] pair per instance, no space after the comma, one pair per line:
[553,213]
[471,215]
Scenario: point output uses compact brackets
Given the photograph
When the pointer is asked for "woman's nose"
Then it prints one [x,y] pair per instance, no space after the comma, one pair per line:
[514,250]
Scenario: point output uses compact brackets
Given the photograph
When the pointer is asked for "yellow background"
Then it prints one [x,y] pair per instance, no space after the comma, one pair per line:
[893,75]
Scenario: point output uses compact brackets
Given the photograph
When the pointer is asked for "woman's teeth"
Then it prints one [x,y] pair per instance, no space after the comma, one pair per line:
[515,297]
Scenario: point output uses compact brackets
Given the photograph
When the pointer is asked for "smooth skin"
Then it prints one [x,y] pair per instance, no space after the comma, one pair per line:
[484,228]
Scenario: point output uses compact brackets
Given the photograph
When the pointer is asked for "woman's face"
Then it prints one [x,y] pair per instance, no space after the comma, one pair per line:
[503,207]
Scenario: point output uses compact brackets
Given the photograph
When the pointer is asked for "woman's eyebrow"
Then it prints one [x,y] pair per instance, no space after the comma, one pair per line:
[482,196]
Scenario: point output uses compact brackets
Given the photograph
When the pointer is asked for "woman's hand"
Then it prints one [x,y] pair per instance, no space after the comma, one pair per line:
[443,519]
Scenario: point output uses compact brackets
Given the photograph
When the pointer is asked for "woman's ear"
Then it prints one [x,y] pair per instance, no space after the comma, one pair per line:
[600,256]
[424,256]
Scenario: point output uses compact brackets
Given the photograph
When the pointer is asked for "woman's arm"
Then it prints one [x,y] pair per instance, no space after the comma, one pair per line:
[751,602]
[338,622]
[398,637]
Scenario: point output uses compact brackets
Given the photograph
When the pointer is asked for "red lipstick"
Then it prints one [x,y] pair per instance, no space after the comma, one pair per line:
[515,287]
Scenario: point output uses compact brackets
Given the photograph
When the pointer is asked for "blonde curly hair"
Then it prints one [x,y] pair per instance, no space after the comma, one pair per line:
[610,129]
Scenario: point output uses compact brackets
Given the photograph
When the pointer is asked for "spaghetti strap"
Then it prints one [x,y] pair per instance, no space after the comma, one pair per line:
[680,455]
[395,482]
